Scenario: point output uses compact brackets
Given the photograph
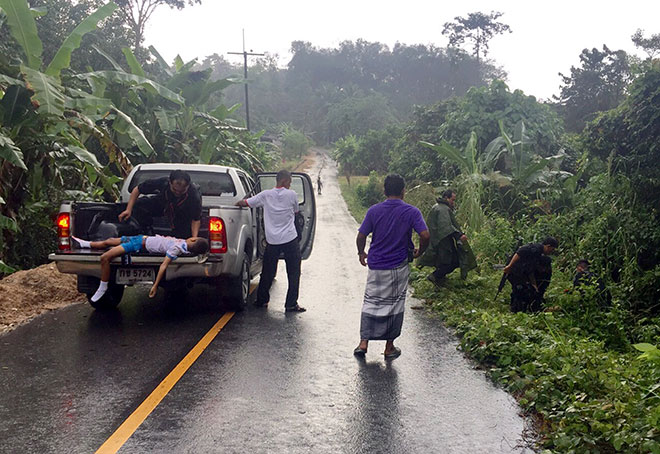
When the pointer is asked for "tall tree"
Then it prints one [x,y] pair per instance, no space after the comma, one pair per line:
[599,84]
[136,13]
[649,45]
[479,28]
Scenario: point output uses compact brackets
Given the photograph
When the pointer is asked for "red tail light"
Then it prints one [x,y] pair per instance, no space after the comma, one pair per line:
[63,232]
[217,236]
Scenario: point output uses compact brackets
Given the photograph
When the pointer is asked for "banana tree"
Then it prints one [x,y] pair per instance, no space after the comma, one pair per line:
[44,124]
[522,166]
[184,129]
[470,180]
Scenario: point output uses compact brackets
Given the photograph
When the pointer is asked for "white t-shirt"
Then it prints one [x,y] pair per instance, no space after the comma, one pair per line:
[280,207]
[168,245]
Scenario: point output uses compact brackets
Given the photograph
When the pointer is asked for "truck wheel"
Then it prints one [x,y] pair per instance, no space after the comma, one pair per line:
[108,301]
[239,287]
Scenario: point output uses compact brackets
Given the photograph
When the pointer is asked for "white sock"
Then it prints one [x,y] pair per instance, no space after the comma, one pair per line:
[103,286]
[82,243]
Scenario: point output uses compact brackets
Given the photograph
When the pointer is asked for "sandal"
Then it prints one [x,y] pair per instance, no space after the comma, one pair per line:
[295,308]
[359,352]
[393,354]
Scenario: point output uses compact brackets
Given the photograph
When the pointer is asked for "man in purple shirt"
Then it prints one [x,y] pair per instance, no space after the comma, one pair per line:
[391,224]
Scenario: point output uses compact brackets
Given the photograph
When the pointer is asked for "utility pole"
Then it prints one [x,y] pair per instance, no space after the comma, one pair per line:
[245,75]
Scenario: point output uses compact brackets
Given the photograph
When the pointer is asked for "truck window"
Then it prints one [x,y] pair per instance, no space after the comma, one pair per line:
[269,181]
[244,181]
[210,183]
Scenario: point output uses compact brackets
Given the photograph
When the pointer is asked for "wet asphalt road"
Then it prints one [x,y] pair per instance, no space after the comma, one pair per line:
[270,382]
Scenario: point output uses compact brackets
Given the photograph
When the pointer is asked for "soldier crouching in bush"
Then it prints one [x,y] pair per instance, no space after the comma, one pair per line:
[529,273]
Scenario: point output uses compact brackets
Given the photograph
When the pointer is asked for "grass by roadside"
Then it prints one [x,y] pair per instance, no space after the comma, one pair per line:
[572,368]
[350,196]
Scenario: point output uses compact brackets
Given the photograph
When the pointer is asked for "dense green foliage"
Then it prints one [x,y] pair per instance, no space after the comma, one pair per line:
[569,366]
[331,92]
[577,366]
[61,129]
[599,84]
[629,134]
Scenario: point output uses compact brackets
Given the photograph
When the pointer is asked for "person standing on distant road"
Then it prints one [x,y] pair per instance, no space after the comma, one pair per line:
[280,208]
[391,224]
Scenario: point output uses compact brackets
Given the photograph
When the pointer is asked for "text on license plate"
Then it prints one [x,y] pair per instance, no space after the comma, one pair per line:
[132,275]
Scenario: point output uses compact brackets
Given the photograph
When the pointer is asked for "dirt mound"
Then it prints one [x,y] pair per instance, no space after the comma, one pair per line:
[28,293]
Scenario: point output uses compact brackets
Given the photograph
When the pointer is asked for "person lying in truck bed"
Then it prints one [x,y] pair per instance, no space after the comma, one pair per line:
[171,247]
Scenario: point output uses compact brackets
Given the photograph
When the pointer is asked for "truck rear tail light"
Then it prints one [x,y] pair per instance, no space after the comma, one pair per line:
[63,232]
[217,236]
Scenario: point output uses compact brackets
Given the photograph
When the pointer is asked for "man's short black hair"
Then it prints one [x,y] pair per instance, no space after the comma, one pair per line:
[283,175]
[448,193]
[201,246]
[551,241]
[583,262]
[394,185]
[179,174]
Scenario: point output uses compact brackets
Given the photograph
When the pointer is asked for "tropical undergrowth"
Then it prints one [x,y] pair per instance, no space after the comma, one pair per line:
[574,366]
[577,367]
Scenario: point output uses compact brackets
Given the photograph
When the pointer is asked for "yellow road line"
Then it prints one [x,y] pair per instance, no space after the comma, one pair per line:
[128,427]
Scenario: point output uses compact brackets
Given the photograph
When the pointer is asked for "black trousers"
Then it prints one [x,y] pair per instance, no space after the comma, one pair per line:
[442,270]
[292,258]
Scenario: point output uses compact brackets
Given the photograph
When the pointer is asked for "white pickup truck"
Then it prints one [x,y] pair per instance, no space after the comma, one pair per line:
[235,234]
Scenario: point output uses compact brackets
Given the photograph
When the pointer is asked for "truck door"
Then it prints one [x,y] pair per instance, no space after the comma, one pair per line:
[301,183]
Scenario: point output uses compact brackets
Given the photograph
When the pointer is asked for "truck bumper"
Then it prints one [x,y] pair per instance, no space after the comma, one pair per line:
[189,267]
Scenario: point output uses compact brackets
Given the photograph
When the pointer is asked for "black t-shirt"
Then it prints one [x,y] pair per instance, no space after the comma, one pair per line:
[180,211]
[529,259]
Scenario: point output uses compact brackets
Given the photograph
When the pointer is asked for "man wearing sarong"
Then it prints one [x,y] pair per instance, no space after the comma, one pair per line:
[449,248]
[390,223]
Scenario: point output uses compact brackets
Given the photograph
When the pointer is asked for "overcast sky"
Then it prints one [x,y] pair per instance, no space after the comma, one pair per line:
[547,36]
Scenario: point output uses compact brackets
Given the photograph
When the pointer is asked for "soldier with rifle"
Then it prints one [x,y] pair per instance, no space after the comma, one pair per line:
[529,271]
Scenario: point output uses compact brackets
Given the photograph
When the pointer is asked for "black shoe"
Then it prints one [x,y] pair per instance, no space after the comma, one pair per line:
[435,281]
[295,308]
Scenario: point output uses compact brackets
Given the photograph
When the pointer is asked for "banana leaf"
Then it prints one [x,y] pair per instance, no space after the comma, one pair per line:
[446,150]
[132,79]
[83,155]
[62,58]
[10,152]
[126,126]
[47,91]
[6,269]
[84,102]
[161,61]
[24,30]
[7,223]
[107,56]
[132,62]
[6,81]
[166,122]
[111,149]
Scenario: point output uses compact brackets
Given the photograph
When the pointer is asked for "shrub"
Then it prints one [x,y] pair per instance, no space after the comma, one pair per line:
[371,192]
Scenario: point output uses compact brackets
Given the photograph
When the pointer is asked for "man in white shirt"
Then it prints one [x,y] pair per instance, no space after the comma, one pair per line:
[280,207]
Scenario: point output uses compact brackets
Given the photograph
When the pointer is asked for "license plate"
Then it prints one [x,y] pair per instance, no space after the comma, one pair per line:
[133,275]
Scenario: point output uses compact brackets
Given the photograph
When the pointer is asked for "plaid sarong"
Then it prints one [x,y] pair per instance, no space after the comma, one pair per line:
[384,303]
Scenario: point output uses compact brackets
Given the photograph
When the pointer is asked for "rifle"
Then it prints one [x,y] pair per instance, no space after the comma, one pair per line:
[504,275]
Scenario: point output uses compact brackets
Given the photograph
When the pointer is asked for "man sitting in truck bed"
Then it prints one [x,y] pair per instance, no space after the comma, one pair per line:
[176,199]
[171,247]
